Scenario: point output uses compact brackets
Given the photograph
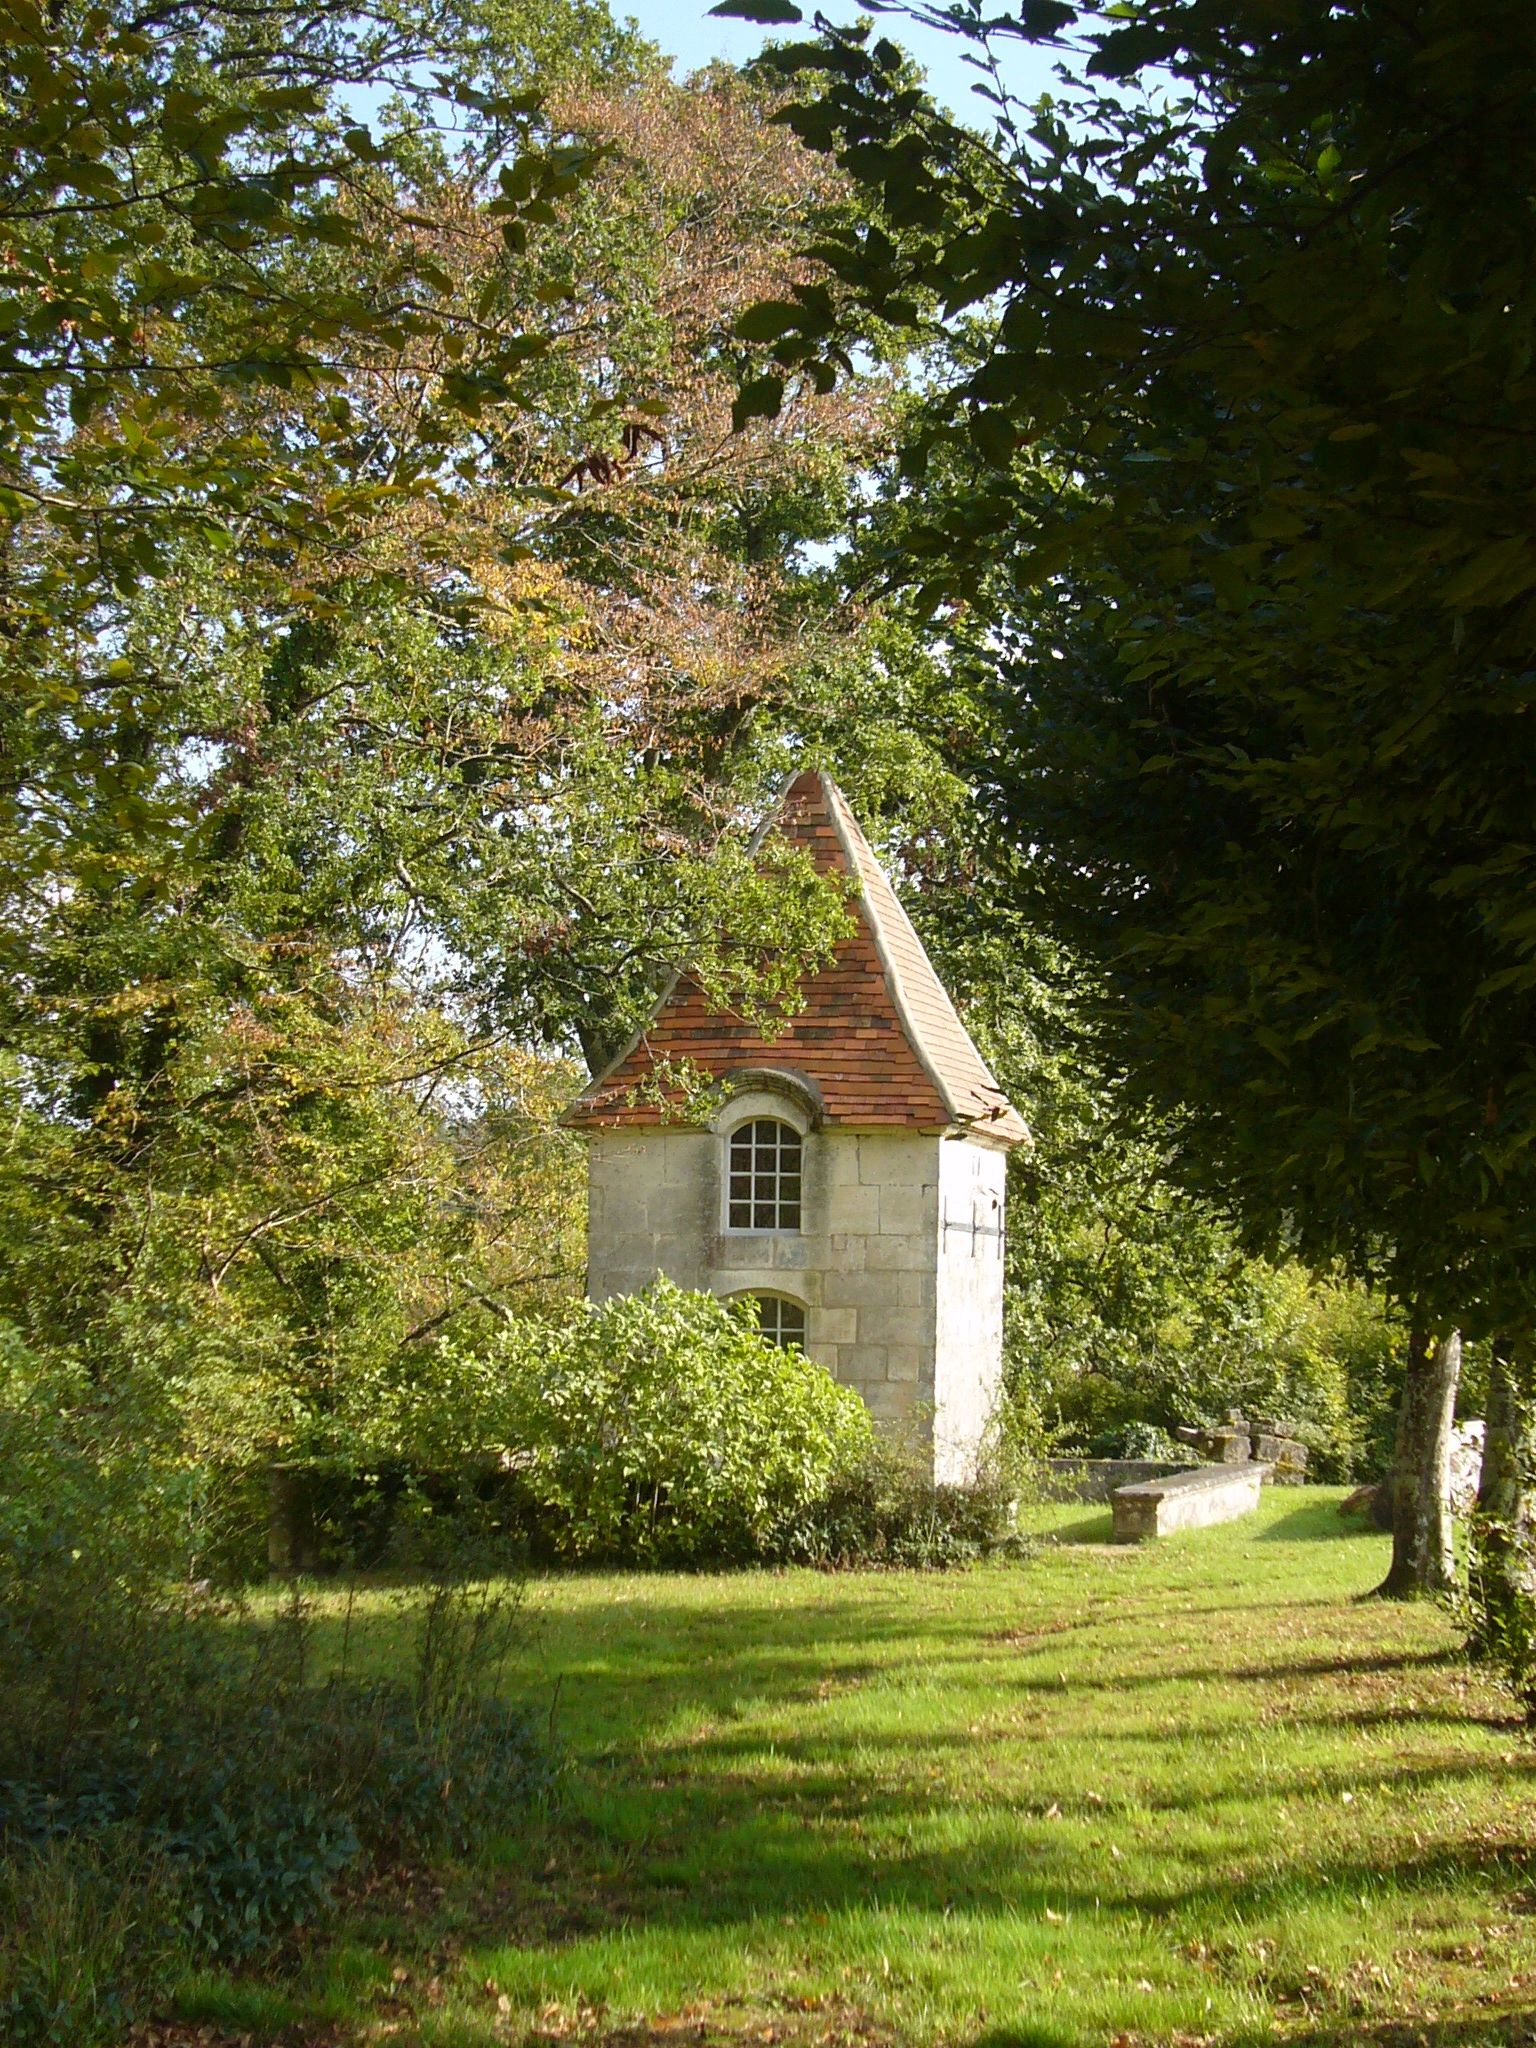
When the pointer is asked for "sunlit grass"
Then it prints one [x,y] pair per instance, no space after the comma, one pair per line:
[1198,1791]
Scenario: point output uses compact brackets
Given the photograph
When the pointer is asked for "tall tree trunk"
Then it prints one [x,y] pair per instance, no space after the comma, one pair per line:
[1504,1573]
[1423,1556]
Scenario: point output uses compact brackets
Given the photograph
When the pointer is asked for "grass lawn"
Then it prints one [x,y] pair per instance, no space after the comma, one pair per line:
[1195,1793]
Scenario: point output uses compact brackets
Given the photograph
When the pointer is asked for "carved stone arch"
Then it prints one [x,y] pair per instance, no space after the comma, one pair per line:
[770,1091]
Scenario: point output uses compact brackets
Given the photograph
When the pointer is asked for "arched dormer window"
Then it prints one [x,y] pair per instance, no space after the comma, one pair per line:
[763,1160]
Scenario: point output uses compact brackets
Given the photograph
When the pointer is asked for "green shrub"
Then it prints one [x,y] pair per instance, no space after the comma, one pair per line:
[1319,1354]
[261,1795]
[888,1510]
[662,1428]
[326,1781]
[260,1790]
[1144,1440]
[659,1428]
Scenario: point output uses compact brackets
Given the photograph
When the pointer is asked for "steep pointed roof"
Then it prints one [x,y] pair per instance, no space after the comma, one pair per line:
[878,1043]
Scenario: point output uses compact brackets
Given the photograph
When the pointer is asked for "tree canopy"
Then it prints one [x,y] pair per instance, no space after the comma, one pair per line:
[402,645]
[1220,486]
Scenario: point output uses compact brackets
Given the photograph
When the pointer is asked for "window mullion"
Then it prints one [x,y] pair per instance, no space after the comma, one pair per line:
[763,1160]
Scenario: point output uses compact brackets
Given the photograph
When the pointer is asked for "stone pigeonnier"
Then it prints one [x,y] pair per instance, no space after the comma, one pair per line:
[852,1183]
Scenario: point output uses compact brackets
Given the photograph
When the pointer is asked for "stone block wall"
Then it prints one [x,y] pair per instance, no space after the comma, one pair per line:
[1093,1480]
[903,1296]
[969,1334]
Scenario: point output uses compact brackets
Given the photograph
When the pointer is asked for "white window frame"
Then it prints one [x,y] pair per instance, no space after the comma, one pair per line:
[749,1122]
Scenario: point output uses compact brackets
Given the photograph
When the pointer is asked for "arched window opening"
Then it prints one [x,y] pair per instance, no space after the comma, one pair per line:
[781,1321]
[764,1176]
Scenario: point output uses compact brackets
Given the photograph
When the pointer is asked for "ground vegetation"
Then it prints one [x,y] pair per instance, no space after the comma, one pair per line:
[413,584]
[1202,1789]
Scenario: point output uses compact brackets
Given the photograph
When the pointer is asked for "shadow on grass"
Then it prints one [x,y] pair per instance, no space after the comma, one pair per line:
[1316,1522]
[713,1797]
[1118,1679]
[1495,2030]
[1095,1525]
[831,1773]
[767,1862]
[1502,2030]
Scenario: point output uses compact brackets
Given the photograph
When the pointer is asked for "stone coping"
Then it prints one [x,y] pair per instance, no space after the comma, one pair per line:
[1196,1479]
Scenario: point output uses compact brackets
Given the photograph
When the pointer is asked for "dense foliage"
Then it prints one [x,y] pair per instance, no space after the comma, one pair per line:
[1221,479]
[1219,489]
[660,1427]
[412,585]
[1131,1298]
[663,1426]
[178,1779]
[1225,460]
[387,610]
[403,673]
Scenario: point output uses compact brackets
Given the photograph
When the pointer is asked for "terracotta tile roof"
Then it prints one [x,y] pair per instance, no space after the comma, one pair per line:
[878,1041]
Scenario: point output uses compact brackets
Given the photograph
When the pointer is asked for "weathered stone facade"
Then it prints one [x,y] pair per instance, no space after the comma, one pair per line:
[898,1264]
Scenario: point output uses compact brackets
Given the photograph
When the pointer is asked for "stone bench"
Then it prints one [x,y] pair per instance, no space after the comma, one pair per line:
[1188,1500]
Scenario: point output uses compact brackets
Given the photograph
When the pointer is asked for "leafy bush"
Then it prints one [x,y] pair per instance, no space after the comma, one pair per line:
[1144,1440]
[662,1428]
[260,1794]
[1322,1356]
[262,1820]
[200,1836]
[659,1428]
[888,1511]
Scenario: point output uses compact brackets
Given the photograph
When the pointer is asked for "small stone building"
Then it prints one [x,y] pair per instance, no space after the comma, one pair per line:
[853,1182]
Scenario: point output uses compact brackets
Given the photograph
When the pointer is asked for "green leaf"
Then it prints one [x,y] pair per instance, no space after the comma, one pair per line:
[993,433]
[759,399]
[775,13]
[1127,51]
[769,320]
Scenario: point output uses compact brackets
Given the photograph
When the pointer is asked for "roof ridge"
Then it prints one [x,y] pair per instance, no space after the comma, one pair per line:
[880,901]
[858,850]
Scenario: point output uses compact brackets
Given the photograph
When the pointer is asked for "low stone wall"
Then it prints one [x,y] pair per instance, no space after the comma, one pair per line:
[1260,1443]
[1187,1500]
[1093,1480]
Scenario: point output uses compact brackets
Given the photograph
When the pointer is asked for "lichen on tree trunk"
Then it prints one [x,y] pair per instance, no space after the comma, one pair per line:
[1423,1554]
